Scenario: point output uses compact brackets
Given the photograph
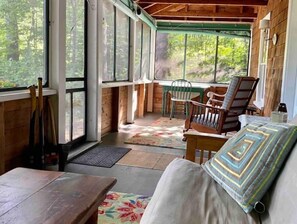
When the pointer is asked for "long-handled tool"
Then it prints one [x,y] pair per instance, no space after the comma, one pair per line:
[41,150]
[31,150]
[51,144]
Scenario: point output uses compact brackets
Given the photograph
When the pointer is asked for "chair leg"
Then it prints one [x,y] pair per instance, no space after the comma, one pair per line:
[187,109]
[172,109]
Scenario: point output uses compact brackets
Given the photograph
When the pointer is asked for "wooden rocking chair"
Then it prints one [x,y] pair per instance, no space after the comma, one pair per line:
[222,116]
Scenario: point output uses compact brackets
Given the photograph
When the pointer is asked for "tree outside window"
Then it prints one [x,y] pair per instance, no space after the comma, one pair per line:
[200,57]
[22,43]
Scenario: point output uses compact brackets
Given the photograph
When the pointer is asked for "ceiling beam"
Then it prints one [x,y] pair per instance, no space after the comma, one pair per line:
[209,2]
[158,8]
[207,20]
[206,14]
[204,20]
[149,6]
[179,7]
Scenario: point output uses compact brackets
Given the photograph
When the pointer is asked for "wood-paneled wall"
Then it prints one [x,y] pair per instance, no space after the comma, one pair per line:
[114,108]
[158,97]
[14,133]
[136,88]
[123,98]
[2,139]
[278,25]
[106,115]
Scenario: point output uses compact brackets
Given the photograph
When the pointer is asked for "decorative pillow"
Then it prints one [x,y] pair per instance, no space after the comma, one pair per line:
[248,162]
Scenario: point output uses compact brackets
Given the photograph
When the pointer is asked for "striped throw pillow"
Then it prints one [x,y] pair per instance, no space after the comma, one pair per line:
[248,162]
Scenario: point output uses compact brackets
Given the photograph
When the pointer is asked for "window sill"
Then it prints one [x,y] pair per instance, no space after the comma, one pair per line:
[118,84]
[143,82]
[23,94]
[194,84]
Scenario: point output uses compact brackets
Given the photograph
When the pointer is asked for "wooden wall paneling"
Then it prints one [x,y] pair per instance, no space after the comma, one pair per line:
[106,118]
[150,97]
[115,109]
[2,140]
[136,89]
[146,98]
[157,98]
[123,105]
[130,104]
[17,105]
[141,100]
[17,118]
[278,25]
[275,59]
[16,132]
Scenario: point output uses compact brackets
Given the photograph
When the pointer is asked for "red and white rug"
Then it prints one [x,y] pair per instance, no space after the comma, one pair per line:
[162,133]
[122,208]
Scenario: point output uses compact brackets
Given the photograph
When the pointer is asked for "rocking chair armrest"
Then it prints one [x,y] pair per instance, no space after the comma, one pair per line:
[202,141]
[212,94]
[215,102]
[207,106]
[233,113]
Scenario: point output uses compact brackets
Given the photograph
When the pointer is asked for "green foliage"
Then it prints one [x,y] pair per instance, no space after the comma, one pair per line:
[6,84]
[22,42]
[232,57]
[75,41]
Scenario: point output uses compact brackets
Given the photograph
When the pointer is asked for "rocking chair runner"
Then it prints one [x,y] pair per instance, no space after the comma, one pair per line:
[222,116]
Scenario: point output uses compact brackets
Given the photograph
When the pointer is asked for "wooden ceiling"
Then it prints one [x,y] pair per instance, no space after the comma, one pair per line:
[233,11]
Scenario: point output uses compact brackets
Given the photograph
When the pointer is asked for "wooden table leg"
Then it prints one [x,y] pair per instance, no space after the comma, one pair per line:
[94,218]
[163,100]
[191,148]
[202,141]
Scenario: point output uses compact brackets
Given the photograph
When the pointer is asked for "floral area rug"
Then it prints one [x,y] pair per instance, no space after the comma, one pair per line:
[122,208]
[162,133]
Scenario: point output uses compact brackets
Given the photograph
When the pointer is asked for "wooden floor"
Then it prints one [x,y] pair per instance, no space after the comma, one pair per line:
[130,179]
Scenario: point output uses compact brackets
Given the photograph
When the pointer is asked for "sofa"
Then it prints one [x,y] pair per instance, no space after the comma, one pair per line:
[187,194]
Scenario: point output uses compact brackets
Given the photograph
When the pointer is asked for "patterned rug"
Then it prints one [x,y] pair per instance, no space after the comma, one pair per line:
[122,208]
[162,133]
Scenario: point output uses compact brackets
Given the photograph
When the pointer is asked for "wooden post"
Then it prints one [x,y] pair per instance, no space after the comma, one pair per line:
[150,98]
[141,100]
[115,108]
[2,139]
[191,148]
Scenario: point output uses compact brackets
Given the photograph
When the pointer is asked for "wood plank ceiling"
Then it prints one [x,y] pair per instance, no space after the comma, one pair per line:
[233,11]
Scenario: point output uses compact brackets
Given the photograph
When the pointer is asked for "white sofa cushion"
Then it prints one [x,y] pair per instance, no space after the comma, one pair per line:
[186,194]
[280,200]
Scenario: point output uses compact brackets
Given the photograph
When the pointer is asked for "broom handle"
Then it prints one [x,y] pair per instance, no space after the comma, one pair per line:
[52,122]
[33,98]
[40,97]
[41,127]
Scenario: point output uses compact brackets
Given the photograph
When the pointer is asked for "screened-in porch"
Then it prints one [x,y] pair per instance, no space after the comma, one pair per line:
[105,64]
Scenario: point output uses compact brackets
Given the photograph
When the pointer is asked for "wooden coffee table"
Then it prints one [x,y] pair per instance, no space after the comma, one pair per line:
[35,196]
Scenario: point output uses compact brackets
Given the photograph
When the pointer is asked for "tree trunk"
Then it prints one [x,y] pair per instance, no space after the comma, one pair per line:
[12,37]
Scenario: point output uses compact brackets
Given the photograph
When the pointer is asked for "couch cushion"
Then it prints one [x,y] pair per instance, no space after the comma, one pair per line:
[248,163]
[186,194]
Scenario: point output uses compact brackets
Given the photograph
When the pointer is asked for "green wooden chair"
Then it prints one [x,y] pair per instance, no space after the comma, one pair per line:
[180,92]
